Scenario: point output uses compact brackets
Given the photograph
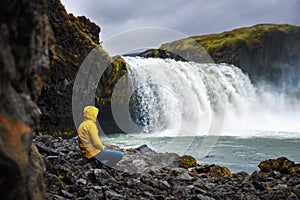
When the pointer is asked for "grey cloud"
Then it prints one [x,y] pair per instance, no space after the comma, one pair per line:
[192,17]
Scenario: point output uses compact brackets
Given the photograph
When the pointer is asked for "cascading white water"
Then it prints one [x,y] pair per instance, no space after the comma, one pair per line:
[186,97]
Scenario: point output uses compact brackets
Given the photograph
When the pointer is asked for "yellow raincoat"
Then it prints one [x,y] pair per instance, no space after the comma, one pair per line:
[88,139]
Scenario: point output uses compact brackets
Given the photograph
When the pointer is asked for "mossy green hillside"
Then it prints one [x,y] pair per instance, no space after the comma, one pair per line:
[253,37]
[266,52]
[217,44]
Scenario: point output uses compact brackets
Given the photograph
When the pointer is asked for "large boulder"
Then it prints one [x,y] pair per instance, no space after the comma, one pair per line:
[144,159]
[24,42]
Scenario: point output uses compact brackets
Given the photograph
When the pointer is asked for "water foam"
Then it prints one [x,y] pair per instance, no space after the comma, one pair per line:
[182,98]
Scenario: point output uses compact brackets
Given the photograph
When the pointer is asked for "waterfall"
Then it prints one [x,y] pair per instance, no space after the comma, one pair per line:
[175,98]
[185,96]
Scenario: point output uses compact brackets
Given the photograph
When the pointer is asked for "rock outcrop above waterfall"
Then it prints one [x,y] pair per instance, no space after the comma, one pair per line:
[146,174]
[160,53]
[24,43]
[269,52]
[75,37]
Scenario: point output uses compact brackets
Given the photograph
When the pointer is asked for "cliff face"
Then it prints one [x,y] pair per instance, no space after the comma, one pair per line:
[24,37]
[267,52]
[75,37]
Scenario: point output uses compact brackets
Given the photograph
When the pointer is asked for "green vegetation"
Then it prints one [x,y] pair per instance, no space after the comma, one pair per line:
[252,37]
[282,165]
[187,162]
[63,134]
[183,45]
[215,171]
[156,53]
[219,172]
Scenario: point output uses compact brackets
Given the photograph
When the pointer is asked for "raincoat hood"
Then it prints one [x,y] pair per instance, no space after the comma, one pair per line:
[90,112]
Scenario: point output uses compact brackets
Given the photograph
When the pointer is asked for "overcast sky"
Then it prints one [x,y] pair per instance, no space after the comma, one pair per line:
[190,17]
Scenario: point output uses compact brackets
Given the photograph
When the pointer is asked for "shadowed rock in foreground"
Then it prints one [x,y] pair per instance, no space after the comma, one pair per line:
[146,174]
[24,37]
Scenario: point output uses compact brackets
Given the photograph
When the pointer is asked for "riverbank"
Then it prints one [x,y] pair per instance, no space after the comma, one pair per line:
[146,174]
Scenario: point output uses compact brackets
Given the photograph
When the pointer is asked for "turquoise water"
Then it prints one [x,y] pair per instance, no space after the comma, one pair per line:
[236,153]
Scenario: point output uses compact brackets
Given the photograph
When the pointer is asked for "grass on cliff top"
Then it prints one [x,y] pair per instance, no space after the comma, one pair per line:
[250,36]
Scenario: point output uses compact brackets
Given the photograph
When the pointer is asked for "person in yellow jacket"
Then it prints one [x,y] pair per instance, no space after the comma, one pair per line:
[89,142]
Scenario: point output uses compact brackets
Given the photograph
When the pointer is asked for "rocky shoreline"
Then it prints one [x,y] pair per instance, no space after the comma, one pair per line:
[146,174]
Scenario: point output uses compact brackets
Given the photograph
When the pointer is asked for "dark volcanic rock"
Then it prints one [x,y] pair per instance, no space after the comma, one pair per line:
[113,73]
[160,53]
[75,38]
[146,174]
[24,36]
